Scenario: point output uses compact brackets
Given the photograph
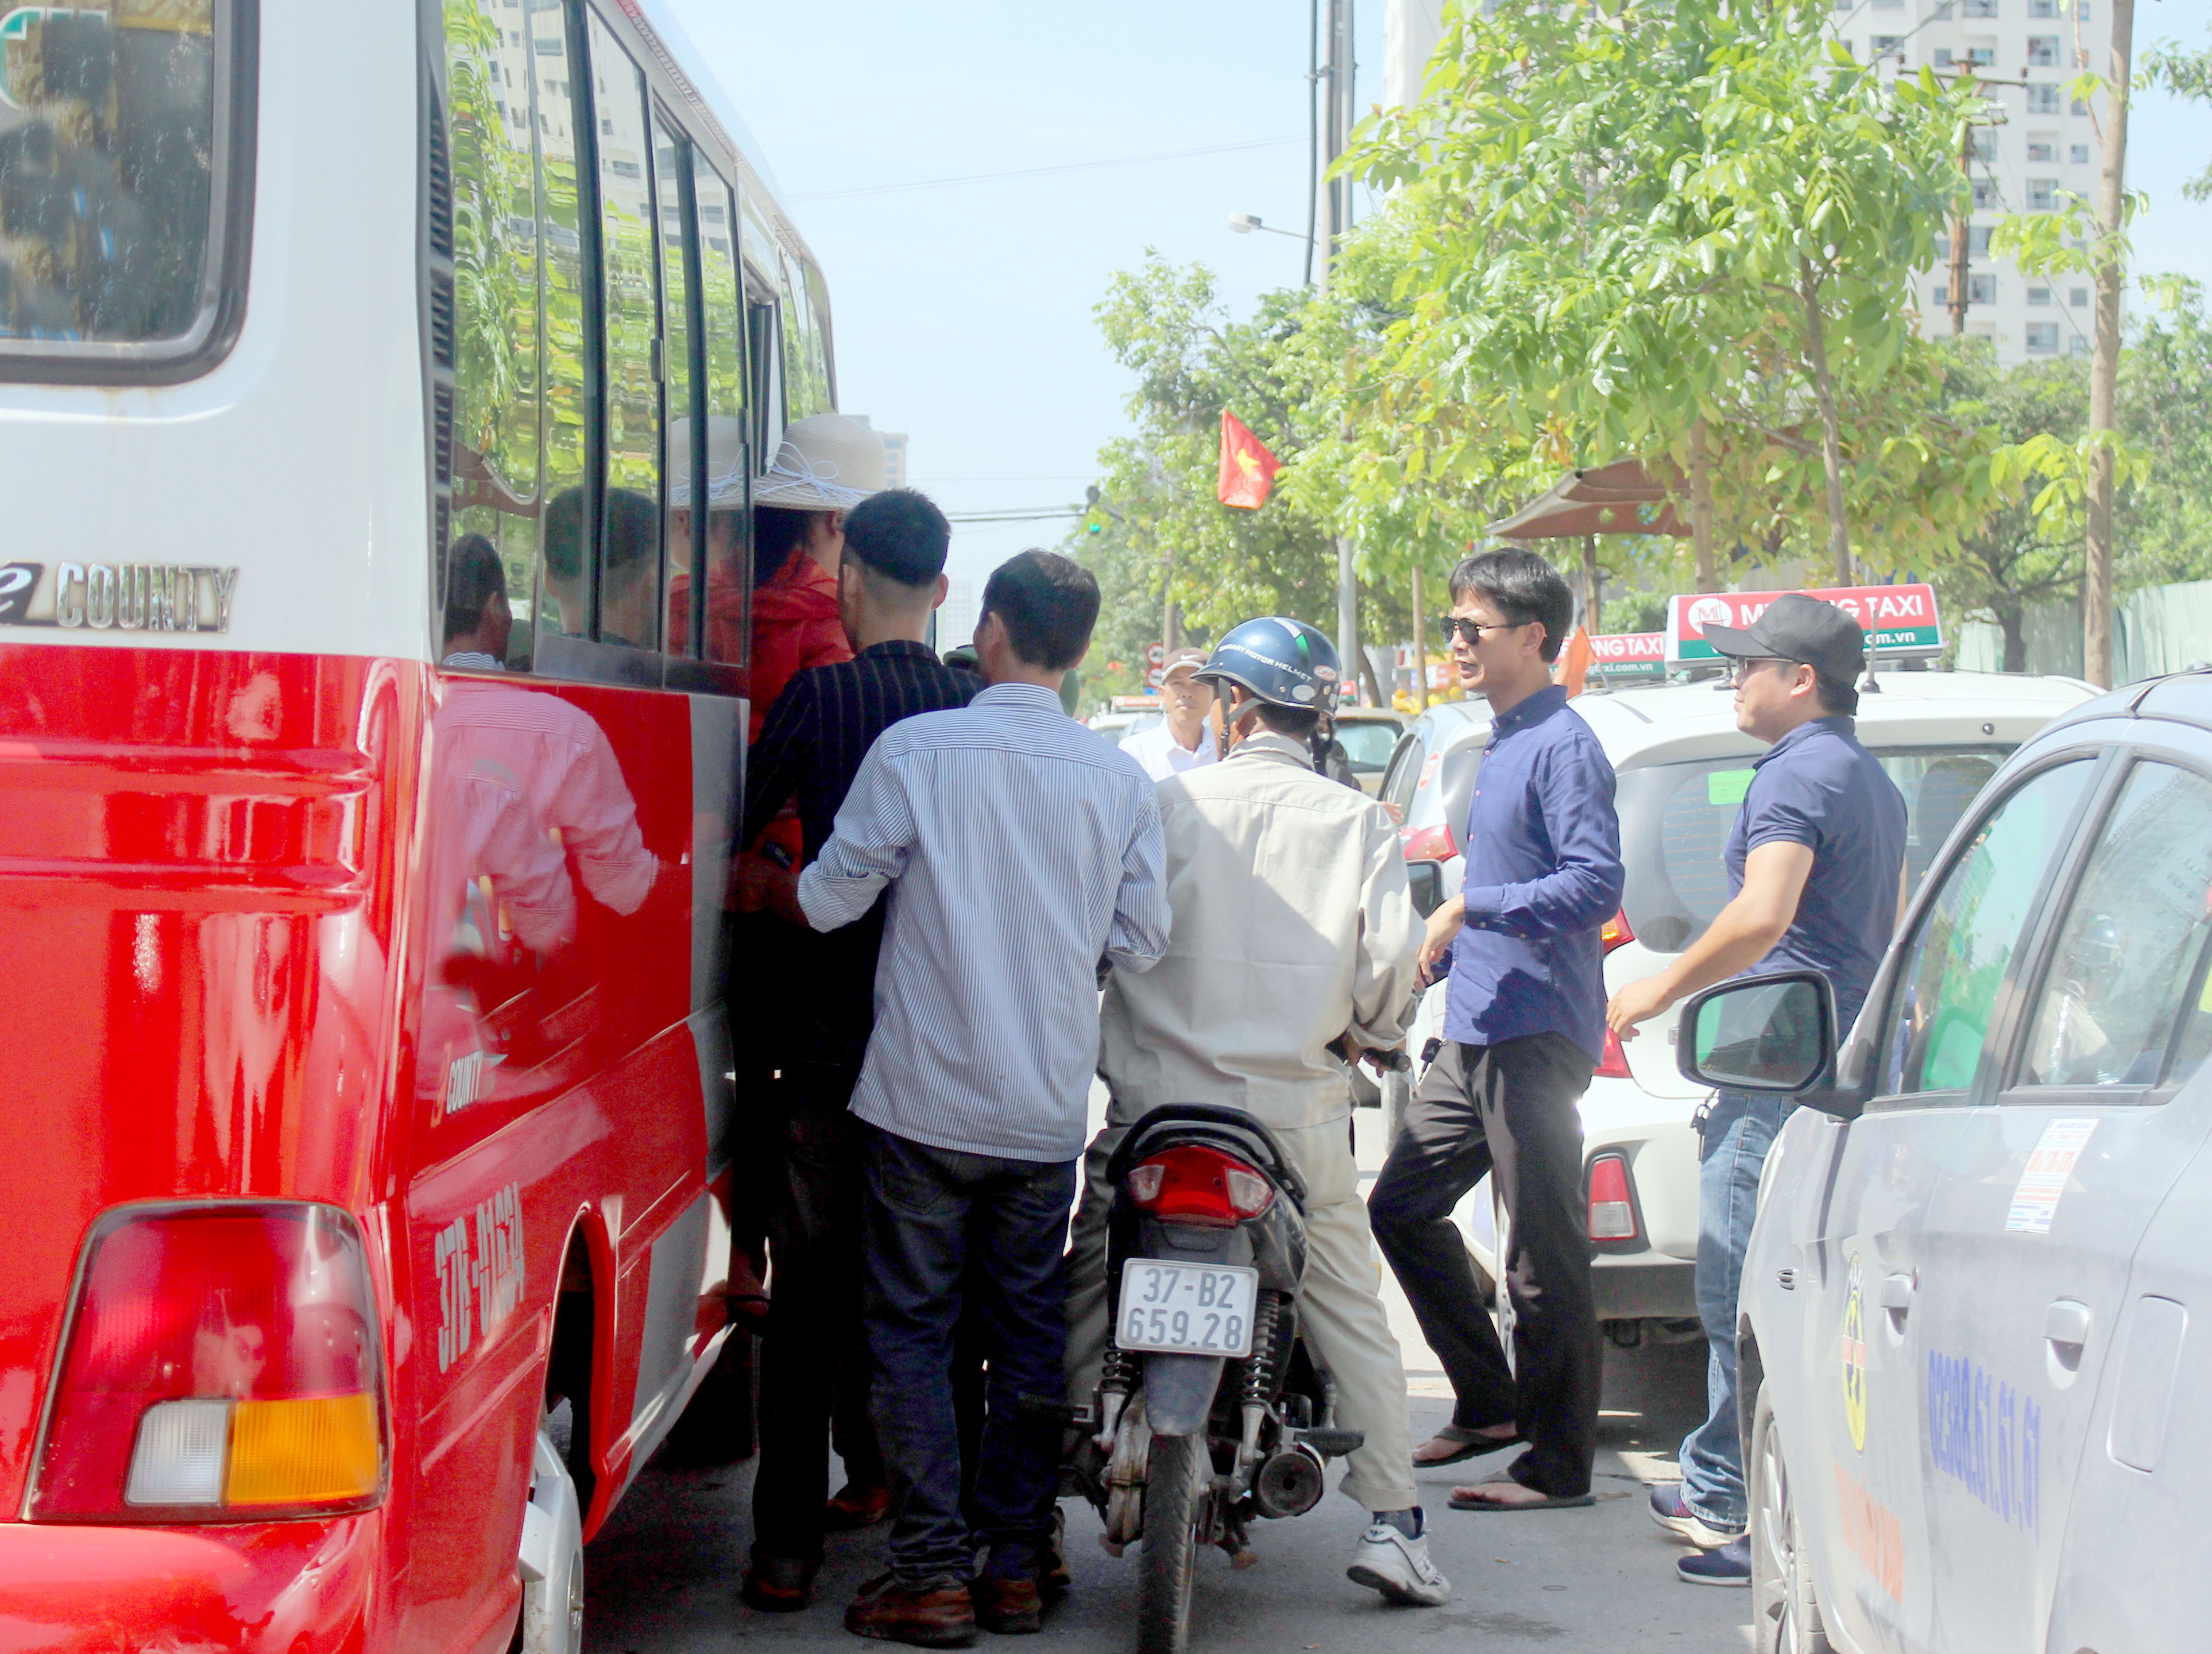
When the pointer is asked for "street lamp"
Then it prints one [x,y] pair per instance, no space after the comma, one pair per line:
[1244,223]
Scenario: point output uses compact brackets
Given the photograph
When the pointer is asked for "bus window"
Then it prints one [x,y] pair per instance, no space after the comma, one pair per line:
[804,392]
[495,348]
[110,130]
[630,537]
[766,341]
[822,360]
[729,549]
[671,172]
[564,606]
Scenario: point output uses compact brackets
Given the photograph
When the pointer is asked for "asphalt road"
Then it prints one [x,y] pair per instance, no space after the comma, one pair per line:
[663,1578]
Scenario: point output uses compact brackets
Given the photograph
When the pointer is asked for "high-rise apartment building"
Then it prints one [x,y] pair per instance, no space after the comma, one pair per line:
[2041,147]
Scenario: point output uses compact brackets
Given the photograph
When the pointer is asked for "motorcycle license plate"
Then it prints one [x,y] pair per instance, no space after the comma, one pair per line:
[1187,1309]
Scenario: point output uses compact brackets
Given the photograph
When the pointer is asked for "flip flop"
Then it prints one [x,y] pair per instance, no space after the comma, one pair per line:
[1549,1503]
[1472,1450]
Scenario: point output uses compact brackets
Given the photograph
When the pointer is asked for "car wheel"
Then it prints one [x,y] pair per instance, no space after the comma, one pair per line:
[1785,1606]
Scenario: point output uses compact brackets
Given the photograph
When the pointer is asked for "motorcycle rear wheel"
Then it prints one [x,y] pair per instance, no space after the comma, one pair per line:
[1169,1557]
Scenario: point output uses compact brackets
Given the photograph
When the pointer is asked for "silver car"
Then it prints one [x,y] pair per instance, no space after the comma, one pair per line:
[1975,1306]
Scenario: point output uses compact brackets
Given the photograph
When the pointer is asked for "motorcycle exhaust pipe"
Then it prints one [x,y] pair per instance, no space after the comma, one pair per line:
[1290,1483]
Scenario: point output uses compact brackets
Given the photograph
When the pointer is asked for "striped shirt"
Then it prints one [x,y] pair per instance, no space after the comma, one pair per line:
[825,721]
[1020,850]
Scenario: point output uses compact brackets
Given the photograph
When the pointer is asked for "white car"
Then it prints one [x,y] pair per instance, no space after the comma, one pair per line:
[1115,727]
[1975,1309]
[1682,768]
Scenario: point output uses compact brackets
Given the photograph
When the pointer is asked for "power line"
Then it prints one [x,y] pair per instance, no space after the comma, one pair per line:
[1039,172]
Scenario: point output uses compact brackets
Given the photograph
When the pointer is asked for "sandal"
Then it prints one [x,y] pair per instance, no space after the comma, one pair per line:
[1473,1445]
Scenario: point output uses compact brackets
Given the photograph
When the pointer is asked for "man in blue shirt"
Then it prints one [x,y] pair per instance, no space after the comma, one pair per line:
[1816,861]
[1524,1027]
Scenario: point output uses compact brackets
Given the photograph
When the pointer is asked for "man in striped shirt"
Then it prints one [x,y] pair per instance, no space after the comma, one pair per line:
[814,1366]
[1020,851]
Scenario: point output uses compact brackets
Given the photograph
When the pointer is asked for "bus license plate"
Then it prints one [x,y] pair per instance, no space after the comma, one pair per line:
[1187,1309]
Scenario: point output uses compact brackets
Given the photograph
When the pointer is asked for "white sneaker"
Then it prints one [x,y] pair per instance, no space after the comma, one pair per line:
[1399,1568]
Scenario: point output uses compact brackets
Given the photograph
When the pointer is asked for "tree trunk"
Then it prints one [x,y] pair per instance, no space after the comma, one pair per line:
[2011,619]
[1832,429]
[1170,615]
[1701,509]
[1593,587]
[1420,645]
[2105,360]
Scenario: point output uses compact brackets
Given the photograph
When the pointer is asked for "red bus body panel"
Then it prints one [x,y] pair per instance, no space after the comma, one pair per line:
[289,925]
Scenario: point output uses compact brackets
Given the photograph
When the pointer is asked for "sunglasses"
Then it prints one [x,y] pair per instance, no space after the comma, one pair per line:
[1743,665]
[1470,631]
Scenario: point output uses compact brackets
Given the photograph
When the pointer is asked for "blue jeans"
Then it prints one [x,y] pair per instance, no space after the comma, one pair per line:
[928,1212]
[1740,1128]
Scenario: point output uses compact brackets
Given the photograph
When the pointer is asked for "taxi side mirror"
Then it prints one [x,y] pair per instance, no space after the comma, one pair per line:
[1773,1033]
[1426,880]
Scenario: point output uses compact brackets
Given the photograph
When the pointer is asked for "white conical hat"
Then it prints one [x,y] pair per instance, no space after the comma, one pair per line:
[726,458]
[826,463]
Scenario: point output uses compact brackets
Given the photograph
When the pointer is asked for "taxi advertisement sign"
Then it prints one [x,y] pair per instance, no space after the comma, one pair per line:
[1898,621]
[1629,653]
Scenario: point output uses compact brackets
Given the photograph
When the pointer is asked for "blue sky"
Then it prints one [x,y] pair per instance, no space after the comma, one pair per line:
[963,313]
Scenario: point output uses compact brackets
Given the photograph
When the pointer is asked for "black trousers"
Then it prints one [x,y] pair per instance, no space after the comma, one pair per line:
[1508,1111]
[814,1360]
[928,1212]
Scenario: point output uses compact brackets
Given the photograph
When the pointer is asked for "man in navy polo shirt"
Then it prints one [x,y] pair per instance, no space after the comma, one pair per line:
[1524,1027]
[1816,862]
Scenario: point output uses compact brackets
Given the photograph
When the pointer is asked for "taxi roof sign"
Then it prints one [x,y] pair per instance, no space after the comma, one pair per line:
[1901,622]
[1629,654]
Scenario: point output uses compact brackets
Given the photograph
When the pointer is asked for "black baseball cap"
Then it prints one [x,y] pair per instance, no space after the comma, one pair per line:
[1796,627]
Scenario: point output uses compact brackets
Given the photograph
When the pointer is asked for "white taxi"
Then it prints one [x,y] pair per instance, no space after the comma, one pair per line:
[1976,1302]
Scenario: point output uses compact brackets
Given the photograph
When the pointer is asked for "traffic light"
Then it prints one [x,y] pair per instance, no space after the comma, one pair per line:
[1094,518]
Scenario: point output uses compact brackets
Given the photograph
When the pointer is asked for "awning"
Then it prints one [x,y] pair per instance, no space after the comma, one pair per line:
[1616,499]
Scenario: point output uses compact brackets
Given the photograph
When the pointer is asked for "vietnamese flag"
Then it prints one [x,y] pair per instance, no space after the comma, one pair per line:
[1247,469]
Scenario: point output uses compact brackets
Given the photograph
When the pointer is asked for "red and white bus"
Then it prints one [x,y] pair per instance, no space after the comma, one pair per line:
[370,1087]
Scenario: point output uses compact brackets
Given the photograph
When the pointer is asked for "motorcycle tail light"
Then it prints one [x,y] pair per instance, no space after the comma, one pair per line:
[1616,932]
[1199,1185]
[223,1365]
[1611,1212]
[1613,1061]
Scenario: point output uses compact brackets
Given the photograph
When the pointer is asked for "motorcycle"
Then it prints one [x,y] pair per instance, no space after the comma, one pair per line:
[1209,1411]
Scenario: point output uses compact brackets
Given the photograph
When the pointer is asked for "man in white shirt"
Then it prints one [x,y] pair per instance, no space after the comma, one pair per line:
[1293,930]
[1181,740]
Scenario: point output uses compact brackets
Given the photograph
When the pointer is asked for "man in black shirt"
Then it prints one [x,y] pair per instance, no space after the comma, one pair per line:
[810,747]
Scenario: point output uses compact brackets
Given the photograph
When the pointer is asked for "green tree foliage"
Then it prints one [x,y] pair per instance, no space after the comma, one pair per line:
[1610,223]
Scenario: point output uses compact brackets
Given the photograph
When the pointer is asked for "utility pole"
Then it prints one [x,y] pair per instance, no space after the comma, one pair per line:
[2104,355]
[1340,78]
[1420,644]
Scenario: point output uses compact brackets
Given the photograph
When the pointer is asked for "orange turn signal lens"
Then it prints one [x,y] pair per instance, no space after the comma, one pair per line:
[309,1451]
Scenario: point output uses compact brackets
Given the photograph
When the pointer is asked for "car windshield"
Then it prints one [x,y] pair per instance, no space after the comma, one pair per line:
[1368,743]
[1675,820]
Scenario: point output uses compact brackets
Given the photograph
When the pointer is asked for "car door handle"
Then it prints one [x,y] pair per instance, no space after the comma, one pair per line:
[2066,1323]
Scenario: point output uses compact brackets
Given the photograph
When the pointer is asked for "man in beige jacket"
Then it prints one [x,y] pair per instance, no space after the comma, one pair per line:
[1293,929]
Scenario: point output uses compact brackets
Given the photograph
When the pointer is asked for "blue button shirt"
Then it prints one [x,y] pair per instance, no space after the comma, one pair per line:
[1819,788]
[1543,875]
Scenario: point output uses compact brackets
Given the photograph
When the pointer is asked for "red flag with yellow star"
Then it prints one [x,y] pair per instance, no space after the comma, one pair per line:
[1247,469]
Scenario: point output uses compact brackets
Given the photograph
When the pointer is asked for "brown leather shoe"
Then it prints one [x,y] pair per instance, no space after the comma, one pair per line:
[778,1585]
[1008,1607]
[940,1614]
[855,1506]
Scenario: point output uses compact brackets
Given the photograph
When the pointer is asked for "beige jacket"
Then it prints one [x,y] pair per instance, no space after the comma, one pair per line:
[1292,925]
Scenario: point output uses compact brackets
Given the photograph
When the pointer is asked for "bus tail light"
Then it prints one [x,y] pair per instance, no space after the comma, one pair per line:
[1611,1212]
[1199,1185]
[223,1365]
